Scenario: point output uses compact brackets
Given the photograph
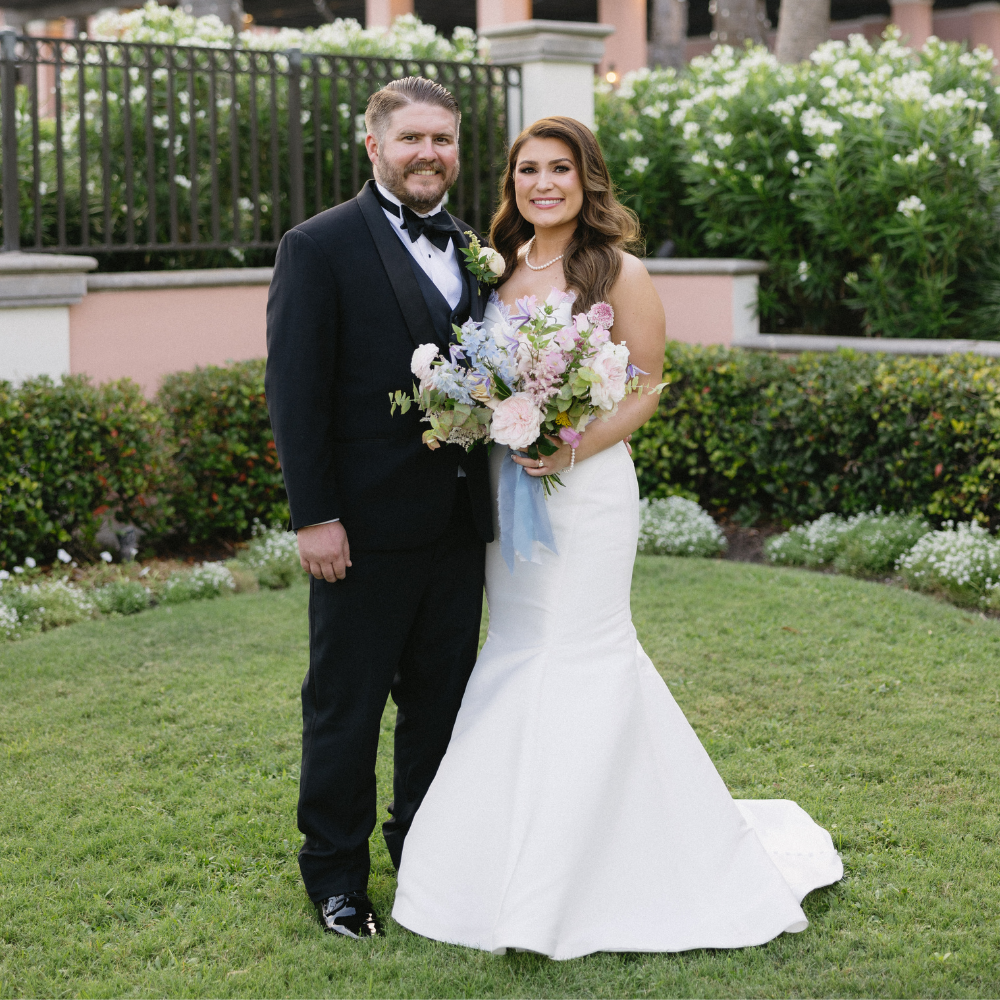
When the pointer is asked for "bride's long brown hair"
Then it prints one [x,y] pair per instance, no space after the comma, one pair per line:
[604,228]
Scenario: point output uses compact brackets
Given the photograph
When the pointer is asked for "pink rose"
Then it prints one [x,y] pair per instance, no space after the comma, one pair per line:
[601,314]
[611,365]
[516,422]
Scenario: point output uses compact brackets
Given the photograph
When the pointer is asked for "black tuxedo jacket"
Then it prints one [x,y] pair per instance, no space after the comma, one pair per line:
[344,314]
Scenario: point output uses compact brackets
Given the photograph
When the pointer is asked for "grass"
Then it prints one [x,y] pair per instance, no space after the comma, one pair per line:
[148,774]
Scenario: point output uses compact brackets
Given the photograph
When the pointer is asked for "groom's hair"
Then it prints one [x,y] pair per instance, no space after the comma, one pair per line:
[398,93]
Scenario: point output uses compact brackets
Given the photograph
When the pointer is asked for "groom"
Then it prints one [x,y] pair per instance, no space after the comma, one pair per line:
[392,533]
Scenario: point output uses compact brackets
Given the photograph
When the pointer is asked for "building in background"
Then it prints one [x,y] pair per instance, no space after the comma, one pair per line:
[662,32]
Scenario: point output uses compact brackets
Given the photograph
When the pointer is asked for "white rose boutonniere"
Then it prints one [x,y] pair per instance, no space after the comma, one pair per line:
[485,264]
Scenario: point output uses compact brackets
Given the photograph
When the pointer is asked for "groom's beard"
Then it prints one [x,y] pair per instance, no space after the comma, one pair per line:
[394,180]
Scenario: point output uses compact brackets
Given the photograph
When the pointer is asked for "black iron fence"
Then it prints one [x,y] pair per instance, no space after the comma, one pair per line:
[114,146]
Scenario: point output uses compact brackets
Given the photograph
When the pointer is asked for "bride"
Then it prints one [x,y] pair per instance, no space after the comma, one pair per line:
[575,809]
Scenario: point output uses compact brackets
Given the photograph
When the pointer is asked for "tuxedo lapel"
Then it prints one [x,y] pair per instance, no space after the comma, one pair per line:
[396,262]
[477,295]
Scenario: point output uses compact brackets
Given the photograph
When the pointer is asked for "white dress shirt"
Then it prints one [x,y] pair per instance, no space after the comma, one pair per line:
[441,266]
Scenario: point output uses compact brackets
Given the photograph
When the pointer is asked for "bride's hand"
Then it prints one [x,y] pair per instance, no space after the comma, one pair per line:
[546,465]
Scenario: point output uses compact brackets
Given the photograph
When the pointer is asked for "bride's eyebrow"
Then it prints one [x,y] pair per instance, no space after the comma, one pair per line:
[534,163]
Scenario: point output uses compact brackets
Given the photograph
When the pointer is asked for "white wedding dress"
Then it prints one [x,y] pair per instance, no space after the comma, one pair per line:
[575,810]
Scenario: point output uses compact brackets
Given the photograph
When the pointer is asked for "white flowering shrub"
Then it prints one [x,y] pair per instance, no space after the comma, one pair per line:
[122,597]
[408,38]
[866,544]
[273,555]
[866,176]
[38,607]
[675,526]
[961,562]
[208,580]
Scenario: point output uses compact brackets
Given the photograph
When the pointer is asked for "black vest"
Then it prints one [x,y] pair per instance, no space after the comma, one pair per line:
[442,315]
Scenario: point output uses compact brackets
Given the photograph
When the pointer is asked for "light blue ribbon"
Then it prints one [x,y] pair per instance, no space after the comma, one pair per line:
[523,515]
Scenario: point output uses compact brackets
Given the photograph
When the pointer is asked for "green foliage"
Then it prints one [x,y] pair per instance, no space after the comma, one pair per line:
[204,582]
[845,432]
[867,177]
[676,526]
[70,453]
[959,562]
[227,465]
[865,545]
[122,597]
[273,556]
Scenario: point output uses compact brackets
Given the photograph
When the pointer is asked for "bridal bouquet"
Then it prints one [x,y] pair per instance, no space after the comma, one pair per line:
[539,373]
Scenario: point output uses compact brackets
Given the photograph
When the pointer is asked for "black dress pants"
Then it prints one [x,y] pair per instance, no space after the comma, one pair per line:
[402,622]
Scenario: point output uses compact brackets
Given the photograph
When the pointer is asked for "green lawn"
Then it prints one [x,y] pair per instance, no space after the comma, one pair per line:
[148,781]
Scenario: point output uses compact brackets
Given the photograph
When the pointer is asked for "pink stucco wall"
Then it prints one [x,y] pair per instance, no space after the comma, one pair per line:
[698,307]
[146,333]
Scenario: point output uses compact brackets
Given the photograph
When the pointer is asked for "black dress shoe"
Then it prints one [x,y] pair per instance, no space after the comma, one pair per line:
[351,914]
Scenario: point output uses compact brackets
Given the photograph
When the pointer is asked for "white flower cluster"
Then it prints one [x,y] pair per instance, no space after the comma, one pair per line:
[9,622]
[814,544]
[207,580]
[408,38]
[675,526]
[961,560]
[271,545]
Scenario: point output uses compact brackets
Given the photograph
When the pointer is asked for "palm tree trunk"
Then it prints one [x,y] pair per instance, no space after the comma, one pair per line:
[802,25]
[736,21]
[669,34]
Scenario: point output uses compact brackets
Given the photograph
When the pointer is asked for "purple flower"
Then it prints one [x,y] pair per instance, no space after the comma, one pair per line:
[631,371]
[457,354]
[525,306]
[570,436]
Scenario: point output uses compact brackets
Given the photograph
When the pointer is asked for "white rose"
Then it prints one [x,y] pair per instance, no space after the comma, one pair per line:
[492,261]
[420,363]
[610,364]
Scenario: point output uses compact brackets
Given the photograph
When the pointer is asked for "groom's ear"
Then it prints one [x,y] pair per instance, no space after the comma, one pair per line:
[371,148]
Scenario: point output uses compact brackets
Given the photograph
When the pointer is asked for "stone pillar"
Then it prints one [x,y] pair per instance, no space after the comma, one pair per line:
[985,19]
[625,50]
[914,19]
[381,13]
[36,291]
[491,13]
[228,11]
[557,60]
[669,35]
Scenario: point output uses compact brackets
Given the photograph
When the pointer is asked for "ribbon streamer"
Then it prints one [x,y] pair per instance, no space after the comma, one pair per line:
[524,518]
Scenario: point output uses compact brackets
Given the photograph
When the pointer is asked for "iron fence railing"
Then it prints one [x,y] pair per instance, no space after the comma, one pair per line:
[114,146]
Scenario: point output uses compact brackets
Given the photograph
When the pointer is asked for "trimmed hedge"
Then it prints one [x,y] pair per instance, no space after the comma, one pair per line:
[69,453]
[227,470]
[748,435]
[751,435]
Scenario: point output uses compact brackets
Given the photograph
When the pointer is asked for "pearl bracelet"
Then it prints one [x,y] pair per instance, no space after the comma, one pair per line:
[572,459]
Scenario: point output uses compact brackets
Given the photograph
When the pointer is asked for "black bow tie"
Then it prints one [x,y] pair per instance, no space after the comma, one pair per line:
[440,229]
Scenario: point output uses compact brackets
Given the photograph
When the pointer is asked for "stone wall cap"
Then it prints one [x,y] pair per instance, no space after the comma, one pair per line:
[587,29]
[795,343]
[18,262]
[703,265]
[202,278]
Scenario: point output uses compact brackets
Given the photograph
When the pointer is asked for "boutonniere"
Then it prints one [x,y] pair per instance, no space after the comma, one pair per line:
[485,264]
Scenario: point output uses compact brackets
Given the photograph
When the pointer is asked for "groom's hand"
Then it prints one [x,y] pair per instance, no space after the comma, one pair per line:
[324,551]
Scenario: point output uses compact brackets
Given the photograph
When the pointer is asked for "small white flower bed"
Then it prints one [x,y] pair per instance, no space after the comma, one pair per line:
[866,544]
[674,526]
[208,580]
[273,556]
[38,607]
[960,561]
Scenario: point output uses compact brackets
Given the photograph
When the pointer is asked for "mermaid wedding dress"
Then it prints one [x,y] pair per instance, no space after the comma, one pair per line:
[575,810]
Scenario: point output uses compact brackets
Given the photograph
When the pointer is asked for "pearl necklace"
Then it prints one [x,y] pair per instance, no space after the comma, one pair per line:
[540,267]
